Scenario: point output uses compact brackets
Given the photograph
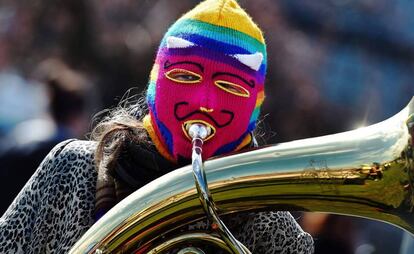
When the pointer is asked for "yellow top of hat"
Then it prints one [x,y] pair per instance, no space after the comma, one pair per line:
[225,13]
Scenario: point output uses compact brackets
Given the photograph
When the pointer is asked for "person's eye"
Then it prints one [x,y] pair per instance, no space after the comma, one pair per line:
[232,88]
[183,76]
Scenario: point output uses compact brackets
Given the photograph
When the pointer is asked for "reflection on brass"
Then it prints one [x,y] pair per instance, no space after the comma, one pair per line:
[368,172]
[193,238]
[198,132]
[191,250]
[408,155]
[328,180]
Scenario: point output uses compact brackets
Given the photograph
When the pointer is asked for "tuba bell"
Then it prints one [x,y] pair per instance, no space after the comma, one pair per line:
[367,172]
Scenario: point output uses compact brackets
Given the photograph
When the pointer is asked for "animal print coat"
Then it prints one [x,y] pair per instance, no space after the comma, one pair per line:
[56,207]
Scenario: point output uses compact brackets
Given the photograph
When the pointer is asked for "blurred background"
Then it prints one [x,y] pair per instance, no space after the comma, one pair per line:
[334,65]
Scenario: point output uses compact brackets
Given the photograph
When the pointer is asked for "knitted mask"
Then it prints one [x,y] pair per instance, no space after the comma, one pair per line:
[210,68]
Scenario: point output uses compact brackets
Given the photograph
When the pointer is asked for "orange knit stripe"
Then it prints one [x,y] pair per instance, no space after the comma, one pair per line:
[157,142]
[247,140]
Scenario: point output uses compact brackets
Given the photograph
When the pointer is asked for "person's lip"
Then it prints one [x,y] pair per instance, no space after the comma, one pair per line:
[210,128]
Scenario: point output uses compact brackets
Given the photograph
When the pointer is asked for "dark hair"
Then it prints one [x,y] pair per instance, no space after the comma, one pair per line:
[117,126]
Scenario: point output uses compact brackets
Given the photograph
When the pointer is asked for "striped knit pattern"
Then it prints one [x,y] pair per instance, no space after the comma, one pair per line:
[217,27]
[157,142]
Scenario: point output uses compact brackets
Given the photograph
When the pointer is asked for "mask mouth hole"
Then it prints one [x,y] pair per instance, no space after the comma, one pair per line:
[210,128]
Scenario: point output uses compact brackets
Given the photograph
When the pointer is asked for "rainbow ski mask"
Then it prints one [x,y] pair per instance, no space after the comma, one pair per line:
[210,68]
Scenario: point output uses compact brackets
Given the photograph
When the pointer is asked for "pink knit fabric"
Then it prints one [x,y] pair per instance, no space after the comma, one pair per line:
[177,102]
[220,56]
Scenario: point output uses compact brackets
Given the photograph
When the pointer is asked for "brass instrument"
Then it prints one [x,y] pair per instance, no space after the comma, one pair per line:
[367,172]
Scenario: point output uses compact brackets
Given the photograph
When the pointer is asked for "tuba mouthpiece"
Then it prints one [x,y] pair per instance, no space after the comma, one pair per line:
[198,130]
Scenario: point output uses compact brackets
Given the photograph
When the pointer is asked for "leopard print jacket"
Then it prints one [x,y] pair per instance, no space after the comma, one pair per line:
[56,207]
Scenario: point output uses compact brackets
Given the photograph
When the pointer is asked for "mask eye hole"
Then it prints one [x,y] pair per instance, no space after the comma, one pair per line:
[232,88]
[183,76]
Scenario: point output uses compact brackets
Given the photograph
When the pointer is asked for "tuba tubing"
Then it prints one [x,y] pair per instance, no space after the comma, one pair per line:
[367,172]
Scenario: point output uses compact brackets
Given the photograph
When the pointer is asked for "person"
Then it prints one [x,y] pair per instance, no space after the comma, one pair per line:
[210,69]
[25,150]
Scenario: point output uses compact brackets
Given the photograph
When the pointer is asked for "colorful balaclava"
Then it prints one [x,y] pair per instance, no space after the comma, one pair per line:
[210,68]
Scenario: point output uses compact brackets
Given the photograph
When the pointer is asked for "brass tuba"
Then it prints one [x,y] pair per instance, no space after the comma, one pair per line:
[367,172]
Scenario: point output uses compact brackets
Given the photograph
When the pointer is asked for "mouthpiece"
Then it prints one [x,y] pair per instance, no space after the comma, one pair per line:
[198,130]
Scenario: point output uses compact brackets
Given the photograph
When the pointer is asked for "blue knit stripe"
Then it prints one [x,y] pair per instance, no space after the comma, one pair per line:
[213,55]
[252,126]
[230,147]
[255,114]
[151,93]
[215,45]
[223,34]
[166,134]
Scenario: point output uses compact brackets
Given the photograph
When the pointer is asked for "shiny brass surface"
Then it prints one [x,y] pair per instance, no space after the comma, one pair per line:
[190,250]
[211,239]
[203,238]
[366,172]
[197,132]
